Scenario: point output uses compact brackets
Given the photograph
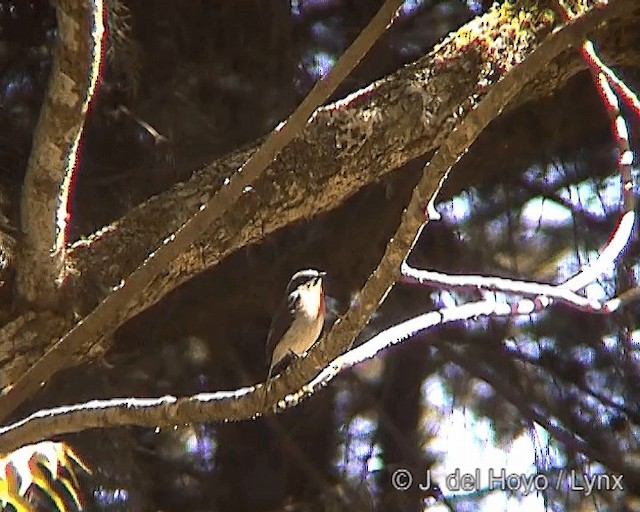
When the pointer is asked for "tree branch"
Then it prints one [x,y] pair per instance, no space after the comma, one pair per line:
[380,282]
[378,129]
[117,307]
[564,292]
[221,405]
[52,163]
[245,402]
[169,410]
[344,147]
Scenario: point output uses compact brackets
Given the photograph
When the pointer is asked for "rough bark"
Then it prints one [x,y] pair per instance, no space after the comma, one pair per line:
[344,147]
[56,142]
[244,403]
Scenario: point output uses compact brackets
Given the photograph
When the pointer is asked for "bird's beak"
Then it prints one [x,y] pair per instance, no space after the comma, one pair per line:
[322,274]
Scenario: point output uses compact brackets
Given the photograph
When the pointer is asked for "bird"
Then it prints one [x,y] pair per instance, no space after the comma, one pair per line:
[298,321]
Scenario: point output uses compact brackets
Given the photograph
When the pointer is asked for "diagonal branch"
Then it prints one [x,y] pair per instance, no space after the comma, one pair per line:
[224,405]
[345,146]
[378,129]
[246,402]
[460,139]
[116,308]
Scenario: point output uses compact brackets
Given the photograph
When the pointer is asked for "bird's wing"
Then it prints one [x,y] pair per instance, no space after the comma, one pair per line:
[280,323]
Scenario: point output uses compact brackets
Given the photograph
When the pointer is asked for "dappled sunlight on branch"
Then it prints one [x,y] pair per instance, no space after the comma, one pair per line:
[118,306]
[334,354]
[544,293]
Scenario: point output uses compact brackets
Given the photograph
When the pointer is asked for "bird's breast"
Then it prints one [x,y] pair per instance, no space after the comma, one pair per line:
[311,304]
[302,335]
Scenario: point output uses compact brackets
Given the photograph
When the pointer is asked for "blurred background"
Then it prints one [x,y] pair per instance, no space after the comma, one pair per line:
[536,197]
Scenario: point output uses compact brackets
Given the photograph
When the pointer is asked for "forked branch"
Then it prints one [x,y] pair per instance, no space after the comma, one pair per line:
[112,312]
[298,381]
[345,146]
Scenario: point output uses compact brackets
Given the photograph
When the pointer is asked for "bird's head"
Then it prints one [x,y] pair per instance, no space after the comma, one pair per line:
[308,284]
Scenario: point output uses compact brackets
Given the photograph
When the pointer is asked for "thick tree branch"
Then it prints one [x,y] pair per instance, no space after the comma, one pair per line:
[245,402]
[382,279]
[344,147]
[52,163]
[377,130]
[117,306]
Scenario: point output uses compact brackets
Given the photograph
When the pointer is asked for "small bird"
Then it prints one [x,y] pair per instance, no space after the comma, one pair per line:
[299,319]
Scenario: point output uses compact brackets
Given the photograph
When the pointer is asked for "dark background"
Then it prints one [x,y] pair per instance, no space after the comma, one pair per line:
[209,76]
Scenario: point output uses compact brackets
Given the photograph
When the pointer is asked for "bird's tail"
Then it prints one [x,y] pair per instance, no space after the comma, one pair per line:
[267,387]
